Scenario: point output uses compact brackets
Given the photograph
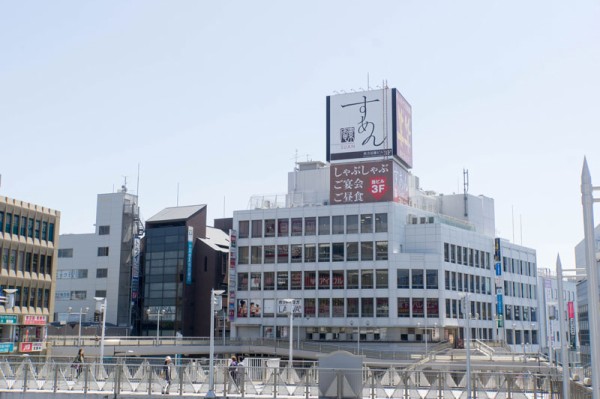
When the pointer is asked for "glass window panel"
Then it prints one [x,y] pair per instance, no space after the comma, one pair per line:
[381,278]
[381,250]
[324,252]
[403,307]
[282,281]
[403,278]
[381,225]
[269,283]
[351,251]
[296,253]
[282,227]
[310,280]
[296,226]
[338,307]
[270,228]
[324,280]
[243,255]
[352,278]
[352,224]
[366,307]
[283,255]
[418,307]
[256,255]
[417,279]
[432,279]
[242,281]
[310,226]
[383,307]
[366,250]
[337,278]
[324,308]
[296,280]
[269,253]
[366,223]
[337,251]
[257,228]
[433,308]
[310,253]
[324,227]
[366,279]
[310,307]
[337,223]
[255,281]
[352,307]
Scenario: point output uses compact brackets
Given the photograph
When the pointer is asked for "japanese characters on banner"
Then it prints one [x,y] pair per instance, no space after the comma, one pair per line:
[369,124]
[34,320]
[232,283]
[364,182]
[31,346]
[572,332]
[135,269]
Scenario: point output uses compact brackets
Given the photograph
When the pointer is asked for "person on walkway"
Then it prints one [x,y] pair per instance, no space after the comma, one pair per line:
[233,368]
[166,373]
[78,362]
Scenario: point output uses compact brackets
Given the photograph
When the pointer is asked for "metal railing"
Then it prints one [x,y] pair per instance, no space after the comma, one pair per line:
[270,378]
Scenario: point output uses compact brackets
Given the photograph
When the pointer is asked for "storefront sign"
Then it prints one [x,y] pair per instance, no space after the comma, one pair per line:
[8,319]
[190,242]
[34,320]
[6,347]
[31,347]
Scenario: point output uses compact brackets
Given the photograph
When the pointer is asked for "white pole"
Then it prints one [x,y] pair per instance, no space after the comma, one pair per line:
[211,376]
[587,200]
[103,330]
[562,329]
[468,339]
[79,335]
[157,326]
[291,356]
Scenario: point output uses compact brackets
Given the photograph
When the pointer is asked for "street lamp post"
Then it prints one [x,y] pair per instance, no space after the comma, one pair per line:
[158,313]
[468,342]
[563,330]
[211,374]
[290,303]
[103,302]
[80,313]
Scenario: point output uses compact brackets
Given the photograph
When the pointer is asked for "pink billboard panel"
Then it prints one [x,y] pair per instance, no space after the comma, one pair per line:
[403,129]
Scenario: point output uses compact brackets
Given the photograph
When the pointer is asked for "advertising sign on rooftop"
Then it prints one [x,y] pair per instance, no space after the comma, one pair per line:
[370,124]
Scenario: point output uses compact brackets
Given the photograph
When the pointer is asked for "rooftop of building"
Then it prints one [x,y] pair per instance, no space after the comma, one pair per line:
[176,213]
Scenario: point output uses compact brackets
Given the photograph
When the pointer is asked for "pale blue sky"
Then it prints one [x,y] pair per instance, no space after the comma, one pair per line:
[217,96]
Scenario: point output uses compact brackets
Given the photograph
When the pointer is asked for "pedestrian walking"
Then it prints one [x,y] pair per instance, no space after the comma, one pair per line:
[166,374]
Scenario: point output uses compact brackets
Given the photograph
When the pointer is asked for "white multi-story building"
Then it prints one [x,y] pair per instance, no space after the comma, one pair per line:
[397,272]
[101,264]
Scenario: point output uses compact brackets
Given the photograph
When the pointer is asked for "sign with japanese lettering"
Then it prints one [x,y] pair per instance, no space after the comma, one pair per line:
[190,246]
[296,305]
[8,319]
[31,347]
[34,320]
[6,347]
[369,124]
[368,182]
[231,273]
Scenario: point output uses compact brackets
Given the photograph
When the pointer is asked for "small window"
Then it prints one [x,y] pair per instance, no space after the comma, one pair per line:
[100,294]
[102,251]
[104,230]
[102,273]
[65,253]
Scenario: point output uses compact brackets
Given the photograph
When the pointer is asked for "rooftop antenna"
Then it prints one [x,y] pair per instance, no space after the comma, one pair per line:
[466,190]
[124,186]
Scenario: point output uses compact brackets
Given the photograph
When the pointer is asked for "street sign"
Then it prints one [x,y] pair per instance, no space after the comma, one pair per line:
[8,319]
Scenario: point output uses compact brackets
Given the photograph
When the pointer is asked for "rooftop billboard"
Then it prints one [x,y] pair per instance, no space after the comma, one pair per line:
[373,124]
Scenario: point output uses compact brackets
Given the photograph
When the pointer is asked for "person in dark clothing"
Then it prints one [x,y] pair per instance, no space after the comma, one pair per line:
[78,362]
[166,372]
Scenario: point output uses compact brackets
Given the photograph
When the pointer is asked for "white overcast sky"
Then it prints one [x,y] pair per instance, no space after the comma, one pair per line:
[217,96]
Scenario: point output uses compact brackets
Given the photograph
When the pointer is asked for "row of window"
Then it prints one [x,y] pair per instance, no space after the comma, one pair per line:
[520,313]
[466,256]
[314,225]
[30,297]
[307,253]
[77,295]
[26,227]
[345,307]
[463,282]
[517,266]
[520,290]
[455,309]
[21,261]
[521,337]
[69,274]
[68,252]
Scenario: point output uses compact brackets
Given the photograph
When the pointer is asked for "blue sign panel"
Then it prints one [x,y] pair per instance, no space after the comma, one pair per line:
[498,269]
[6,347]
[188,274]
[499,305]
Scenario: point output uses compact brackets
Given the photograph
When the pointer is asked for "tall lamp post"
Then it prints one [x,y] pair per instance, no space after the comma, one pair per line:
[290,309]
[80,313]
[102,303]
[158,314]
[467,305]
[214,296]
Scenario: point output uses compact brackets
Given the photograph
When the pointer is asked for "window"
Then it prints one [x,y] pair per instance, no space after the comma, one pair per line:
[1,221]
[310,253]
[417,279]
[282,281]
[324,227]
[352,224]
[242,255]
[337,223]
[324,309]
[352,307]
[16,225]
[255,281]
[381,278]
[65,252]
[104,230]
[310,226]
[296,253]
[366,279]
[403,307]
[296,280]
[351,251]
[37,229]
[102,251]
[244,228]
[432,279]
[257,227]
[256,255]
[403,278]
[446,252]
[282,227]
[310,280]
[352,279]
[269,283]
[337,251]
[242,282]
[366,307]
[383,307]
[102,273]
[8,223]
[283,255]
[433,308]
[269,253]
[418,308]
[270,228]
[50,232]
[324,252]
[366,250]
[75,295]
[309,307]
[366,223]
[337,278]
[338,307]
[381,250]
[381,225]
[296,226]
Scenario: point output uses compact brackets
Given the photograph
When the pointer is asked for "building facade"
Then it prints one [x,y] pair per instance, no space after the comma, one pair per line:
[28,263]
[102,264]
